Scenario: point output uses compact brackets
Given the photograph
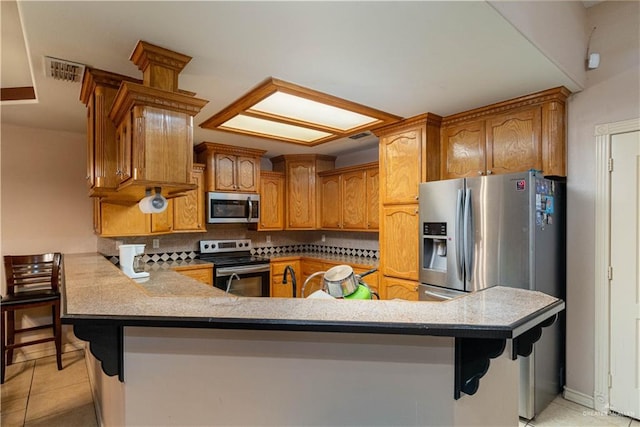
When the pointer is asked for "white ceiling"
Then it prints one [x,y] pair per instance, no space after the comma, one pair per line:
[405,58]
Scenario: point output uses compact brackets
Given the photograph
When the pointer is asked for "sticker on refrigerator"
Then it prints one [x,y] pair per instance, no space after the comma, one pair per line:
[521,185]
[549,205]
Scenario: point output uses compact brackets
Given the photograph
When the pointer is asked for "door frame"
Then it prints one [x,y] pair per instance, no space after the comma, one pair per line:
[604,134]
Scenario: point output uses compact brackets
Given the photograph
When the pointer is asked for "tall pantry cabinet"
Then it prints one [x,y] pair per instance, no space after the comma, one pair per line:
[409,155]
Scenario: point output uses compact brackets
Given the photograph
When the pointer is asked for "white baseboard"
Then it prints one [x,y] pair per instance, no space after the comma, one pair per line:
[579,398]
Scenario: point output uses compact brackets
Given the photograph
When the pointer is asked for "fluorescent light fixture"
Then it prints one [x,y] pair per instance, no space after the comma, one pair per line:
[286,112]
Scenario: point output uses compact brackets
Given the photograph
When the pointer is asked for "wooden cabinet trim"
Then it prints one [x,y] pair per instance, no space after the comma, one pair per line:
[347,169]
[407,124]
[228,149]
[558,94]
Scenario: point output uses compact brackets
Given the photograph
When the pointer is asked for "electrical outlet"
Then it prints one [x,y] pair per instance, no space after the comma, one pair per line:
[268,239]
[156,243]
[324,238]
[118,243]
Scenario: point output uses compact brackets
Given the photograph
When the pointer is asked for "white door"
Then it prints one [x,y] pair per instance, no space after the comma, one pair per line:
[625,283]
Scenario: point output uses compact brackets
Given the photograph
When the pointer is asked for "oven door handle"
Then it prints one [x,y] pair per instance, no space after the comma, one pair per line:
[228,271]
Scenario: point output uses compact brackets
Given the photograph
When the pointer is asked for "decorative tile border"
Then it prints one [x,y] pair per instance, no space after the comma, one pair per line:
[333,250]
[266,251]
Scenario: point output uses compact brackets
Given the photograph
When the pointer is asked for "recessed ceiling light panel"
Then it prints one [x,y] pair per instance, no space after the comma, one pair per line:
[290,113]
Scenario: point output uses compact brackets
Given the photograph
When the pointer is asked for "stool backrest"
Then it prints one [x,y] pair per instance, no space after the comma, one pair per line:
[32,272]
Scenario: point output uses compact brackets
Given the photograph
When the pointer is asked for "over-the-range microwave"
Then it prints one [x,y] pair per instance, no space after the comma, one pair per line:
[232,207]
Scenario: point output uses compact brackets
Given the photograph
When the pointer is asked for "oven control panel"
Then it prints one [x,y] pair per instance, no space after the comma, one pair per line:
[219,246]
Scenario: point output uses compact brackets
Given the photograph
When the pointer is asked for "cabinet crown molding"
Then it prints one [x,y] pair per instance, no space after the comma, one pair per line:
[290,157]
[412,122]
[94,77]
[132,94]
[346,169]
[228,149]
[558,94]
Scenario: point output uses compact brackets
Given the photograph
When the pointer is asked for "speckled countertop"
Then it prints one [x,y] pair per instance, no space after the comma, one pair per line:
[95,289]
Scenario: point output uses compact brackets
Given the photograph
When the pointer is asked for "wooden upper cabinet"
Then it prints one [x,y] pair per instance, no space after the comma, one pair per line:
[464,150]
[524,133]
[354,200]
[349,198]
[183,214]
[513,142]
[98,91]
[301,197]
[189,210]
[154,126]
[373,198]
[331,201]
[271,201]
[409,155]
[230,168]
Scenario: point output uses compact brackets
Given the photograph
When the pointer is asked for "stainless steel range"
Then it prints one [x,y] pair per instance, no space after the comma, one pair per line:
[235,269]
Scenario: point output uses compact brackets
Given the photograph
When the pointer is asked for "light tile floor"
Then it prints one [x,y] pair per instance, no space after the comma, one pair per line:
[35,393]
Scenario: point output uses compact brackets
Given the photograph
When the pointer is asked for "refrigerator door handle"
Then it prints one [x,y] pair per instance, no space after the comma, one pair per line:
[459,236]
[469,234]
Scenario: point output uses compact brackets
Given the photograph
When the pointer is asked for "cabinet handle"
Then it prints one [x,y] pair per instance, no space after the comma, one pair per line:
[417,211]
[479,172]
[417,197]
[415,289]
[489,172]
[87,178]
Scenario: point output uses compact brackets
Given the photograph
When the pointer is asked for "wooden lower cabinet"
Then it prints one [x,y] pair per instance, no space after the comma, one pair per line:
[399,242]
[305,267]
[394,288]
[280,290]
[201,273]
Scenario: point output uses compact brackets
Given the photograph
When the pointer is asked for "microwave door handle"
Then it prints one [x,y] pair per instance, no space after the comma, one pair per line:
[250,209]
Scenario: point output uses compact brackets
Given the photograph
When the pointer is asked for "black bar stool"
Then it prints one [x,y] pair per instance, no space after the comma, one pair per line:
[32,281]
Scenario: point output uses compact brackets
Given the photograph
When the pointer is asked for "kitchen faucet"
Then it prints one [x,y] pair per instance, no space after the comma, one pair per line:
[233,275]
[288,269]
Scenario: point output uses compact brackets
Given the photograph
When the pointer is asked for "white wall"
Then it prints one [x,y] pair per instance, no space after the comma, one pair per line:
[612,93]
[44,203]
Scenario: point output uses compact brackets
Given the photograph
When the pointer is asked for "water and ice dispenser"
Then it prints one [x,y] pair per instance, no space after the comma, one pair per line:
[434,241]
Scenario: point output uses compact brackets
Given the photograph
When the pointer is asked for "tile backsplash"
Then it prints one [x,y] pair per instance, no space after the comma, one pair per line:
[338,242]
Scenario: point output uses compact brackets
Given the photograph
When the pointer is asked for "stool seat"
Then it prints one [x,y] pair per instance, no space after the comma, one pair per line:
[32,281]
[45,295]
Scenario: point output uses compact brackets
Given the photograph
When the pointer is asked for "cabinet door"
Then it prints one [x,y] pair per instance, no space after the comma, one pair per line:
[188,211]
[401,166]
[354,200]
[308,268]
[513,142]
[163,222]
[463,150]
[301,201]
[400,289]
[123,220]
[202,274]
[124,146]
[373,199]
[399,240]
[225,167]
[280,290]
[271,202]
[247,170]
[163,145]
[330,202]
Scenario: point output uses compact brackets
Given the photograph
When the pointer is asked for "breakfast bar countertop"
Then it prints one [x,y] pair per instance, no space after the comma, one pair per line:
[96,290]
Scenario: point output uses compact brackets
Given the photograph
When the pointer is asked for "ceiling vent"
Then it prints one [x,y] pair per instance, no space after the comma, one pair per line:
[360,135]
[60,69]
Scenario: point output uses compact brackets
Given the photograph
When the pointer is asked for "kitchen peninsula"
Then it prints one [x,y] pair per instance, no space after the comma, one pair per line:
[178,352]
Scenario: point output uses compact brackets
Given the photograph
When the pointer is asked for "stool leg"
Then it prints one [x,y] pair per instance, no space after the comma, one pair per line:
[57,326]
[2,345]
[11,335]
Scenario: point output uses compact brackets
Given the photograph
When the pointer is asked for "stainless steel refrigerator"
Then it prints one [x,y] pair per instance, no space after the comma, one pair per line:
[506,230]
